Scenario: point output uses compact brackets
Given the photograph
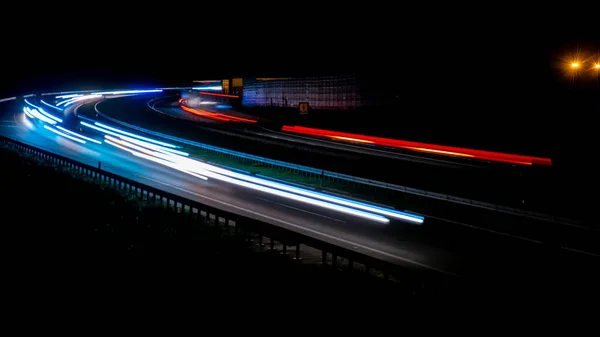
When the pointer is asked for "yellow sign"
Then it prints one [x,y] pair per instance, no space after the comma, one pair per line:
[303,108]
[236,82]
[225,86]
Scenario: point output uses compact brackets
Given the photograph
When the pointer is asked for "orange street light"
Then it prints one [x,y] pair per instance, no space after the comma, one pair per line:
[597,66]
[575,65]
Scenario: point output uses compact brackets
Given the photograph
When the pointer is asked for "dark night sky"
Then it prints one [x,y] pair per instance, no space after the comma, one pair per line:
[452,59]
[413,46]
[486,66]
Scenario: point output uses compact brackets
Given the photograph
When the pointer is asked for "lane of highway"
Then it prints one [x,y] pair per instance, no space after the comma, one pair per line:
[188,114]
[528,191]
[134,111]
[538,188]
[393,243]
[328,225]
[534,230]
[386,147]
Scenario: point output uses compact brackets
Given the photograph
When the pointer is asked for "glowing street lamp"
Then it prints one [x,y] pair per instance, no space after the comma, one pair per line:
[575,65]
[597,66]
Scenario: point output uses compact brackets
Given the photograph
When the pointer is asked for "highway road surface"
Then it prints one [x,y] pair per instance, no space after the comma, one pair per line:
[537,187]
[401,243]
[168,106]
[498,183]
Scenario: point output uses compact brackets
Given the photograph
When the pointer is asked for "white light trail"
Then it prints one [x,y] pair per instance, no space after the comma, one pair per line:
[50,105]
[283,194]
[208,88]
[43,112]
[49,115]
[156,160]
[154,147]
[38,115]
[127,92]
[69,96]
[191,164]
[78,135]
[116,132]
[27,113]
[179,160]
[7,99]
[196,166]
[64,134]
[77,99]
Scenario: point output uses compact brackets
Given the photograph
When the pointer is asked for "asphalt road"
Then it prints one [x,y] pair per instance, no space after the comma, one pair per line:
[465,253]
[170,107]
[378,240]
[523,188]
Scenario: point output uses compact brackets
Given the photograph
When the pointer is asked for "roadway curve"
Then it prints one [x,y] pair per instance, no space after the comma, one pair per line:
[465,254]
[529,188]
[169,118]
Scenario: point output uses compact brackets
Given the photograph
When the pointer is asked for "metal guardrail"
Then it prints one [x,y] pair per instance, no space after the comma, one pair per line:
[345,178]
[254,230]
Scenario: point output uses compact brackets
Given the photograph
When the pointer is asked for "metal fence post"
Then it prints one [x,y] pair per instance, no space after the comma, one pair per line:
[297,257]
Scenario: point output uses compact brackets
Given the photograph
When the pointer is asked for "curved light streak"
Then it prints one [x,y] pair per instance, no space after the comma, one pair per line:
[50,105]
[69,96]
[27,113]
[127,92]
[38,115]
[315,202]
[116,132]
[43,112]
[193,164]
[78,135]
[209,88]
[7,99]
[77,99]
[149,149]
[64,134]
[49,115]
[154,147]
[156,160]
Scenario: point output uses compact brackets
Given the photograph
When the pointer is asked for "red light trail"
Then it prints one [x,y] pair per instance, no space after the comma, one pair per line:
[422,147]
[215,115]
[219,95]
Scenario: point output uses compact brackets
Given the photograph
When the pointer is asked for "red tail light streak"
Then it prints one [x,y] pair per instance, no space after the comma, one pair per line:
[216,116]
[219,95]
[423,147]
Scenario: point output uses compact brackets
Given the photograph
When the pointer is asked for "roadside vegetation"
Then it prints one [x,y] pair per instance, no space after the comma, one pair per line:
[61,226]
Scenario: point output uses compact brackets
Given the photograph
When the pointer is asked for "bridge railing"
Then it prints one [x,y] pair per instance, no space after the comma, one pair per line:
[287,240]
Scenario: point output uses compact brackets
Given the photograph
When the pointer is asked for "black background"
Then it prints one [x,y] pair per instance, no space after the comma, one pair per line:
[483,72]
